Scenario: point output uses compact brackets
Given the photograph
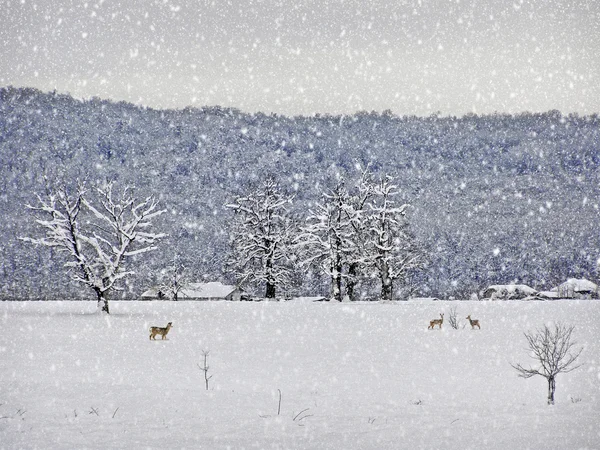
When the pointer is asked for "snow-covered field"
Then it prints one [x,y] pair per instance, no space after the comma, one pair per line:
[351,376]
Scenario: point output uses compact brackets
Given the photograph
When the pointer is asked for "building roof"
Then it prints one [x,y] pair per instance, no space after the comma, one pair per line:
[577,285]
[548,294]
[308,299]
[513,288]
[214,289]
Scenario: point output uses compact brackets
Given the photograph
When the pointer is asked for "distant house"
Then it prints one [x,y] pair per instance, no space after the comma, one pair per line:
[423,299]
[509,292]
[309,299]
[548,295]
[200,292]
[577,288]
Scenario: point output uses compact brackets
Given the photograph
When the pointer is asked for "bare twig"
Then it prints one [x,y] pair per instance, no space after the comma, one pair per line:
[303,411]
[279,405]
[115,413]
[205,368]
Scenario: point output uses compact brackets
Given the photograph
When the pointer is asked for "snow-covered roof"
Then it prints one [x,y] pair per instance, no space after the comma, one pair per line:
[308,299]
[548,294]
[213,289]
[577,285]
[513,288]
[151,293]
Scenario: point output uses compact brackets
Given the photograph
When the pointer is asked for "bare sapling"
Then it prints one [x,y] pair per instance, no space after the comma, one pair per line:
[474,322]
[205,367]
[434,322]
[453,318]
[555,352]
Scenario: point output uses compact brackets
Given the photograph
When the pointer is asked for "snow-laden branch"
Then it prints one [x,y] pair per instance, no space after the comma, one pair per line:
[261,237]
[98,244]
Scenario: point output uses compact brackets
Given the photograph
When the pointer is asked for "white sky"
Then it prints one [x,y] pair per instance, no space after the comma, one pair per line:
[308,56]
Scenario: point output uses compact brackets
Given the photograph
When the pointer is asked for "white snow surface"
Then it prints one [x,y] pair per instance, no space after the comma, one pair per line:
[351,376]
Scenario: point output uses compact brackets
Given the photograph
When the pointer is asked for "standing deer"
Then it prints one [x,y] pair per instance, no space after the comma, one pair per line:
[434,322]
[163,331]
[474,322]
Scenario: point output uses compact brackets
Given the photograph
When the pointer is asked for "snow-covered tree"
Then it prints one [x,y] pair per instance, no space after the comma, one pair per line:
[98,231]
[392,248]
[173,279]
[358,218]
[327,239]
[261,237]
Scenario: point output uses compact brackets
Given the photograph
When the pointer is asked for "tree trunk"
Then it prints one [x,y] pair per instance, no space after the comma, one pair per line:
[386,283]
[336,282]
[386,289]
[351,282]
[270,283]
[103,301]
[551,389]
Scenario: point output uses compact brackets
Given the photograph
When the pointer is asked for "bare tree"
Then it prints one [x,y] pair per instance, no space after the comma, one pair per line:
[97,236]
[554,350]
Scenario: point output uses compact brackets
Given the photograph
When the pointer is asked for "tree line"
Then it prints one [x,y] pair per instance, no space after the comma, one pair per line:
[354,232]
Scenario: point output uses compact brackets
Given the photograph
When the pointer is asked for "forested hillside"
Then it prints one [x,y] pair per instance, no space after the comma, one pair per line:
[496,198]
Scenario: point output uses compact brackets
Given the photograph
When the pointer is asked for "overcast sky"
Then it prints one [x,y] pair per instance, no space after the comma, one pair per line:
[309,56]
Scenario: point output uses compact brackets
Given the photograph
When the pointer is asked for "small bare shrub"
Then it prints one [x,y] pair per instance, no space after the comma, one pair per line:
[453,318]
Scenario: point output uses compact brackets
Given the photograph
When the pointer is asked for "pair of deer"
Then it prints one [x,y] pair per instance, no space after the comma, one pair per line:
[432,323]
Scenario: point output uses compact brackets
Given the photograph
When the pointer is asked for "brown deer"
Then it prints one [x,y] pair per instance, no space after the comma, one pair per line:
[434,322]
[159,330]
[474,322]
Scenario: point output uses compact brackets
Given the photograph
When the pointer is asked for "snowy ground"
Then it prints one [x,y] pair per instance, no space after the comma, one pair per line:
[351,376]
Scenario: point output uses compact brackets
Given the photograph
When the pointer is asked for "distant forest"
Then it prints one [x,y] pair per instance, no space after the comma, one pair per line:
[496,198]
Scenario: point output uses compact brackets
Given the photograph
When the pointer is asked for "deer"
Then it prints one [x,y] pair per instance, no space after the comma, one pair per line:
[160,330]
[434,322]
[474,322]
